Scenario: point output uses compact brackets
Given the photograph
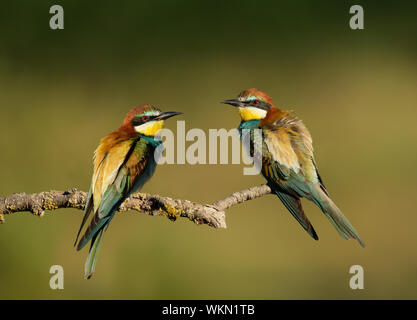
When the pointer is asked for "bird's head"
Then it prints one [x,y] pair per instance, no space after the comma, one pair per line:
[146,120]
[252,104]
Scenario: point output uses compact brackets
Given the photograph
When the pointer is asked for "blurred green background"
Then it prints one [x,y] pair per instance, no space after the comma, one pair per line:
[62,90]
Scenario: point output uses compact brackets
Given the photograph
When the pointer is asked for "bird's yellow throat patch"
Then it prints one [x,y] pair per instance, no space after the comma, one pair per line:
[150,128]
[251,113]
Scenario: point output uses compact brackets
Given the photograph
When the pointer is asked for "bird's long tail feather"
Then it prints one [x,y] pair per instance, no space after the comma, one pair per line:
[336,217]
[90,264]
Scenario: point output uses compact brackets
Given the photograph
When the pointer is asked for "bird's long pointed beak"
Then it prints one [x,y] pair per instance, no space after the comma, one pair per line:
[166,115]
[233,102]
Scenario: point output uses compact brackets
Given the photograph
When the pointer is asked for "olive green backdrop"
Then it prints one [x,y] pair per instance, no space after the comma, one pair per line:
[61,91]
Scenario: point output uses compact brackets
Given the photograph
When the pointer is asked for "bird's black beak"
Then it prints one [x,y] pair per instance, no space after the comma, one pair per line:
[233,102]
[166,115]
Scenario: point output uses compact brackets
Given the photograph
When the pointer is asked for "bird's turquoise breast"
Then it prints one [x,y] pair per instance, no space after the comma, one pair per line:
[246,127]
[151,141]
[252,124]
[246,133]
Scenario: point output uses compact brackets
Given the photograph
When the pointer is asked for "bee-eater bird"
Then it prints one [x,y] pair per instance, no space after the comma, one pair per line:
[288,162]
[123,162]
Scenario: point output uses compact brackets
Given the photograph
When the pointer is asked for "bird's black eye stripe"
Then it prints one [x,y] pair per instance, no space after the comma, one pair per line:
[259,104]
[137,121]
[264,105]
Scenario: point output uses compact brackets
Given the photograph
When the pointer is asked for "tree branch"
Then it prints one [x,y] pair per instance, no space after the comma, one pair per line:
[154,205]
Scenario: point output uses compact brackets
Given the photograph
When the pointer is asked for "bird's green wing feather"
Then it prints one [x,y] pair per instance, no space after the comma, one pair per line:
[115,193]
[293,205]
[110,201]
[88,208]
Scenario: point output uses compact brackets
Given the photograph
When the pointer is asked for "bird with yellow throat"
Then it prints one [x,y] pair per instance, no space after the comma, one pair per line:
[123,162]
[288,162]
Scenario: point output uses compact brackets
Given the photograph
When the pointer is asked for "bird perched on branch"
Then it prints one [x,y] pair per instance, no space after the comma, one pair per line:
[123,162]
[288,162]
